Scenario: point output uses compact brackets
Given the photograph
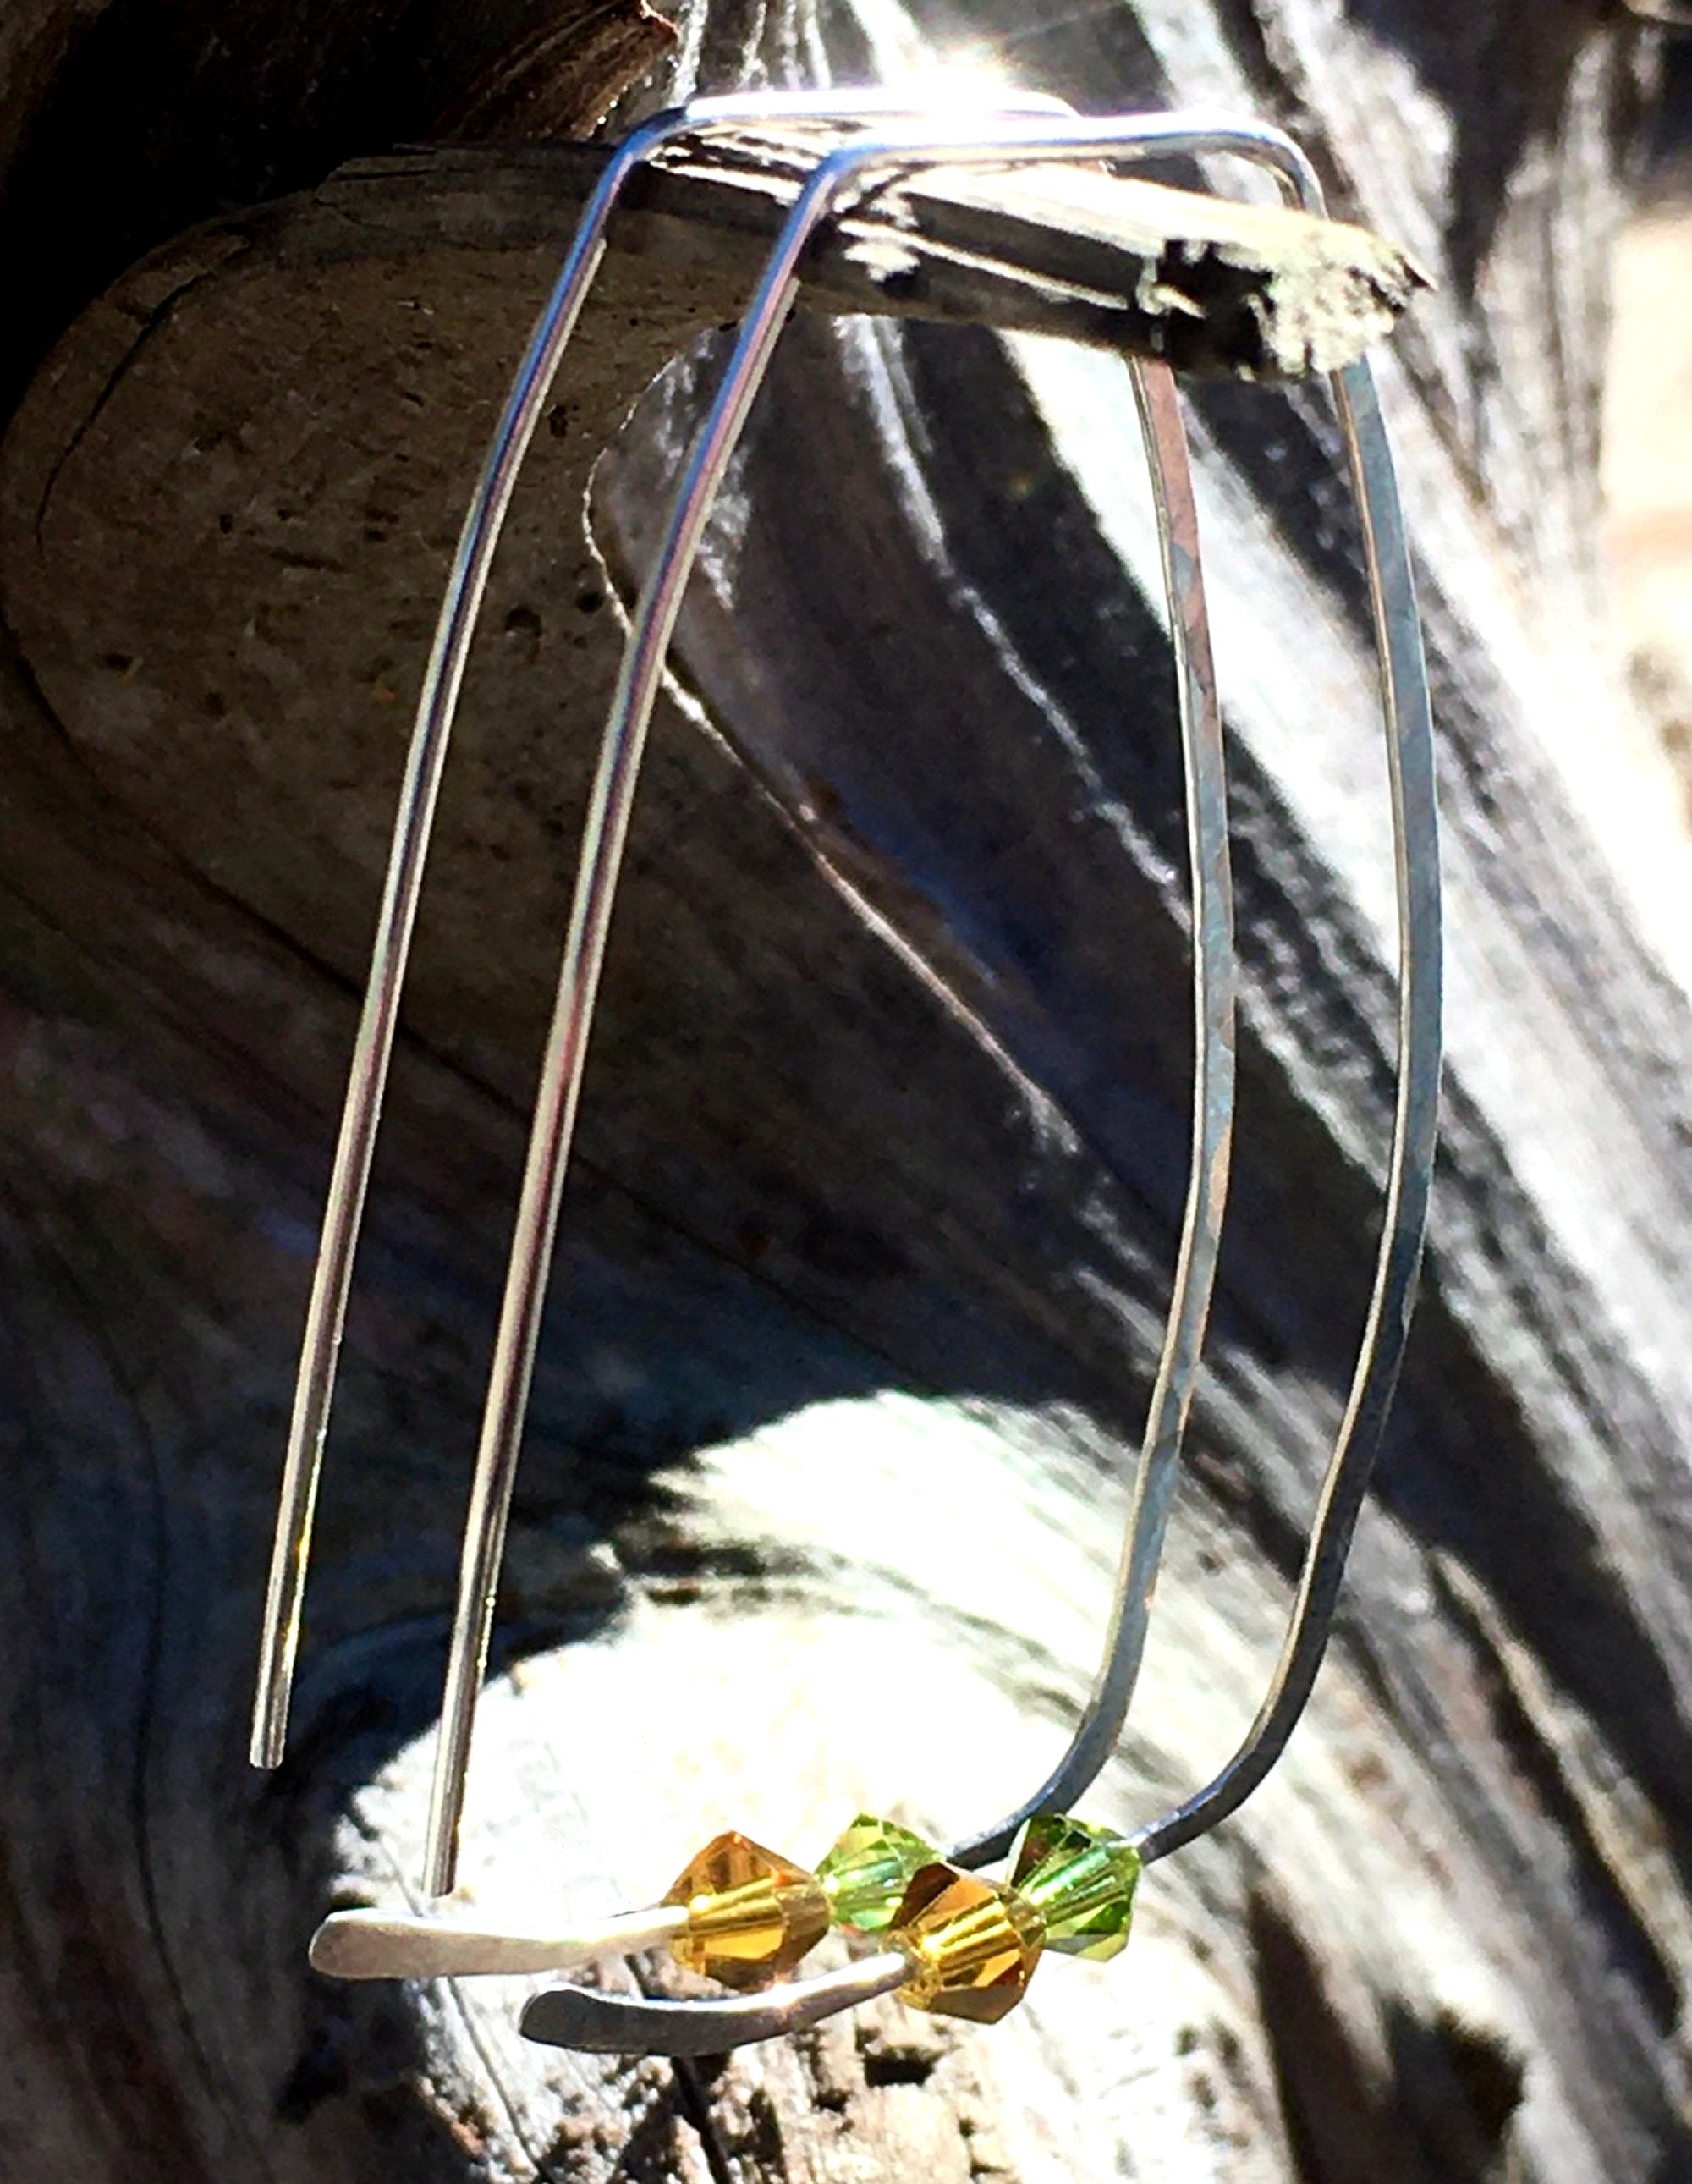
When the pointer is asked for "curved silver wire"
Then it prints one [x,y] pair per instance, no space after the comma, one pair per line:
[577,2016]
[1414,1133]
[604,834]
[583,2018]
[382,1945]
[438,702]
[1215,994]
[1407,716]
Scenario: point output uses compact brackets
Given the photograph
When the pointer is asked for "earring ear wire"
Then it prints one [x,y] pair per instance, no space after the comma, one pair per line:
[358,1944]
[586,2018]
[995,141]
[604,834]
[396,919]
[1214,1000]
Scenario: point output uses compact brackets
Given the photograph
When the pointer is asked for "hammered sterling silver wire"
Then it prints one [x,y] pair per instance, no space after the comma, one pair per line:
[1213,985]
[396,919]
[586,2017]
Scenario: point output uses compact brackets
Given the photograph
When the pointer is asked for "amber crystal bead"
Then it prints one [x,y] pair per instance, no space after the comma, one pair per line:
[972,1944]
[751,1915]
[867,1871]
[1081,1879]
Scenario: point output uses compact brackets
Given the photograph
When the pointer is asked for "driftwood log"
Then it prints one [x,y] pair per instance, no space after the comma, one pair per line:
[882,1153]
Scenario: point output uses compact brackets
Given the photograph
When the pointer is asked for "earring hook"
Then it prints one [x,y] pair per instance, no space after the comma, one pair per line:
[396,919]
[584,2018]
[1214,983]
[371,1944]
[556,1098]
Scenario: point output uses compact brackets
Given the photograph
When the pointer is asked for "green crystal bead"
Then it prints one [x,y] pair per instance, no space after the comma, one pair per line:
[866,1873]
[1081,1879]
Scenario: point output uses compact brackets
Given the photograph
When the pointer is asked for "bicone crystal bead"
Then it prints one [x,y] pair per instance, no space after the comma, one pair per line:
[866,1873]
[972,1944]
[751,1915]
[1081,1879]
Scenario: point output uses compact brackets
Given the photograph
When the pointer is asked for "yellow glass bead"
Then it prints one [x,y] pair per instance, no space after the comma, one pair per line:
[866,1873]
[751,1915]
[1081,1879]
[972,1944]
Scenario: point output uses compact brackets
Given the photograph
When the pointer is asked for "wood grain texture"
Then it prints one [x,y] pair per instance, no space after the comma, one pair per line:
[880,1178]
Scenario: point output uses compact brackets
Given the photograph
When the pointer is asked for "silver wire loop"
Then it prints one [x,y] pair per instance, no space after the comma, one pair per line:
[1215,999]
[611,2023]
[361,1945]
[1407,714]
[425,761]
[604,834]
[1214,994]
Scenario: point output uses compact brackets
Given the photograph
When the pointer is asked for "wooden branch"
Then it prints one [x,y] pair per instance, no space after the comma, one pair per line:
[1233,290]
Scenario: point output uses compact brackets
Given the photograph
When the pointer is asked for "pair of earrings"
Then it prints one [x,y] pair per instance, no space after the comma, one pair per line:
[885,136]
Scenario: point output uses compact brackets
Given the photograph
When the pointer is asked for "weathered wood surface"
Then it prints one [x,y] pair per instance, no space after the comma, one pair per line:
[123,121]
[868,1243]
[1648,453]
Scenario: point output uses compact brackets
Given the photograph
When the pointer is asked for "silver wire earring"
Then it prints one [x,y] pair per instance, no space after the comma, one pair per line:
[930,1904]
[561,1071]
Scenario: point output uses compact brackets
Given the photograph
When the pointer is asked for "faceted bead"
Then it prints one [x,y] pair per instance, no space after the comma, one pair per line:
[1081,1881]
[751,1915]
[972,1944]
[867,1872]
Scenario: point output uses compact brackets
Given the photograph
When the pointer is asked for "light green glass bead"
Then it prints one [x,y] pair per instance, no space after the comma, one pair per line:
[866,1873]
[1081,1881]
